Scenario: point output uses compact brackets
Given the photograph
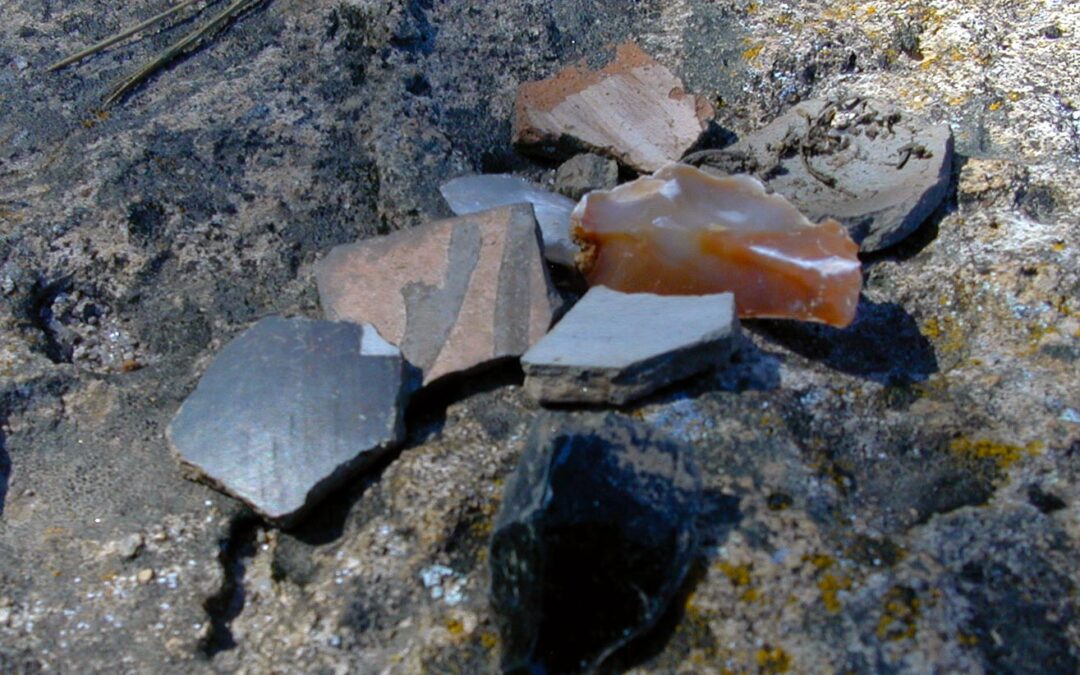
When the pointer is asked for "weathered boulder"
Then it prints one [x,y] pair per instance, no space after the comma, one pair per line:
[878,170]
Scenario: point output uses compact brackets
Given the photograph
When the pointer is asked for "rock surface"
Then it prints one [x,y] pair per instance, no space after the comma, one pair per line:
[456,294]
[835,498]
[471,194]
[614,347]
[584,173]
[878,170]
[290,410]
[594,536]
[634,110]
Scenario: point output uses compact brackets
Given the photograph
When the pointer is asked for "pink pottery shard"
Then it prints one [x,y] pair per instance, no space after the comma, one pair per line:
[682,231]
[634,110]
[453,294]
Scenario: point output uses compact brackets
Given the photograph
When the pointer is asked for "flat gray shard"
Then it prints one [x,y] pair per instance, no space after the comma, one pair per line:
[290,410]
[472,194]
[876,169]
[594,536]
[614,347]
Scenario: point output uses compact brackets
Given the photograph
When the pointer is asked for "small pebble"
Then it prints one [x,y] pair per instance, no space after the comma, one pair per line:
[129,547]
[145,576]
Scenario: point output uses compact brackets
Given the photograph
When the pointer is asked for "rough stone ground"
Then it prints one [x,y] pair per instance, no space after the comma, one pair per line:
[901,496]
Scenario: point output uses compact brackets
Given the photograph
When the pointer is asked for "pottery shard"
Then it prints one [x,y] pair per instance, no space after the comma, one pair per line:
[291,409]
[454,294]
[877,170]
[634,110]
[614,347]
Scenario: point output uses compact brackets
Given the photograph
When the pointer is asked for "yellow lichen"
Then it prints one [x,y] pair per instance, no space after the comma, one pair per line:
[996,105]
[455,626]
[820,560]
[900,614]
[489,640]
[739,575]
[1003,455]
[774,660]
[753,51]
[830,587]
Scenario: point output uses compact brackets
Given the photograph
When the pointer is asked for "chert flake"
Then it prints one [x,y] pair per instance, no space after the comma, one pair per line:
[684,232]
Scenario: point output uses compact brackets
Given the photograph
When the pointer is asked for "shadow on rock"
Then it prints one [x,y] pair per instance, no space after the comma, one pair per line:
[719,514]
[751,369]
[913,244]
[883,344]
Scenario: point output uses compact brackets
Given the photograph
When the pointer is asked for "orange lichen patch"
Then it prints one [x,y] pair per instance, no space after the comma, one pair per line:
[682,231]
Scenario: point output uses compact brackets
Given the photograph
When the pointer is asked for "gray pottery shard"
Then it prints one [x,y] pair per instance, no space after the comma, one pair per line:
[594,536]
[878,170]
[471,194]
[455,294]
[290,410]
[614,347]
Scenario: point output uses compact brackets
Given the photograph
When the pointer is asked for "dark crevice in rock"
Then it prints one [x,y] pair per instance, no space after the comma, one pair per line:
[40,312]
[1039,498]
[225,605]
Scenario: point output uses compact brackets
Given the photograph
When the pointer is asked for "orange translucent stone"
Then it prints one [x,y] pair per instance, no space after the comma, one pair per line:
[682,231]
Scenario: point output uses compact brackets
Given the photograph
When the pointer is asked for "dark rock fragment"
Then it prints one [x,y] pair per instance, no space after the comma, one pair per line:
[584,173]
[594,537]
[290,410]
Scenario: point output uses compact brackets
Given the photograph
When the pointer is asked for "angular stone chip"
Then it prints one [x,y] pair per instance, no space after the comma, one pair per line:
[614,347]
[594,536]
[456,294]
[290,410]
[471,194]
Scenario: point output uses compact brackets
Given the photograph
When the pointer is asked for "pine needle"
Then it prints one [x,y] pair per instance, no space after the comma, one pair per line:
[192,39]
[123,35]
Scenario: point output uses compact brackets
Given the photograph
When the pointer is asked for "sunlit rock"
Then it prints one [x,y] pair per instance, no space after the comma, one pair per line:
[684,232]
